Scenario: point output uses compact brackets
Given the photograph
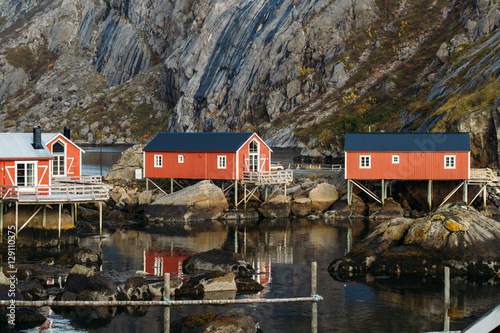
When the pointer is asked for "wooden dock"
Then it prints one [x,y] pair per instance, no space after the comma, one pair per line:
[67,190]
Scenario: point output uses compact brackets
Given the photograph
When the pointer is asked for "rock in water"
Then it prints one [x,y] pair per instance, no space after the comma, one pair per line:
[234,321]
[217,261]
[202,201]
[455,236]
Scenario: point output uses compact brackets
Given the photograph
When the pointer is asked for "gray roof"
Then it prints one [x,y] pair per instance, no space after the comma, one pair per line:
[198,142]
[20,145]
[407,142]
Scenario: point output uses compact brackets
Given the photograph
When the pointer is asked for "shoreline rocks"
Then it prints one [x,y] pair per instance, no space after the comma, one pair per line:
[453,235]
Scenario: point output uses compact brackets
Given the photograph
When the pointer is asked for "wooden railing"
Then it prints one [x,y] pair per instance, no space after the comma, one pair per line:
[71,192]
[78,179]
[268,177]
[483,175]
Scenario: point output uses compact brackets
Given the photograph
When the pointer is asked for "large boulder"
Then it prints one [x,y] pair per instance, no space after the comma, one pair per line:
[454,236]
[206,284]
[137,288]
[123,171]
[217,260]
[323,196]
[85,284]
[391,209]
[278,206]
[199,202]
[340,209]
[301,207]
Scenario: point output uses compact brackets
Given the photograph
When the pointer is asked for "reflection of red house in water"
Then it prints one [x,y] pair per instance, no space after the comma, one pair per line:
[159,262]
[263,269]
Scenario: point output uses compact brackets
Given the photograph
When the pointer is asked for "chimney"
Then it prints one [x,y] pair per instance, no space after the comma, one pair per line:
[67,132]
[37,137]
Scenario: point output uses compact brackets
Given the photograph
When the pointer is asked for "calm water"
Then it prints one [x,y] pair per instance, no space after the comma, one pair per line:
[281,252]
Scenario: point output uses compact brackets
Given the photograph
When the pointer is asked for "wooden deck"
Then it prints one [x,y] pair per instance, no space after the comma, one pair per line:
[62,190]
[484,175]
[281,177]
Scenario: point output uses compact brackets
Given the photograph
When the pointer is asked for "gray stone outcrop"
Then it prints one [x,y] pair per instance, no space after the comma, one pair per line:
[199,202]
[454,236]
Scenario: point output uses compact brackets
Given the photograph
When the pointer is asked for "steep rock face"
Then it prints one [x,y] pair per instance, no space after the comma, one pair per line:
[247,49]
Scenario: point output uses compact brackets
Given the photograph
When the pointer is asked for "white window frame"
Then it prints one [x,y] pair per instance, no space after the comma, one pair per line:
[56,160]
[35,173]
[395,159]
[450,161]
[221,162]
[158,161]
[365,161]
[180,158]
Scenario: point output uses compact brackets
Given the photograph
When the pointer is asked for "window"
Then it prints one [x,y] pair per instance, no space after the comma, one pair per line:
[449,161]
[221,162]
[58,164]
[180,158]
[253,152]
[26,174]
[158,161]
[364,162]
[395,159]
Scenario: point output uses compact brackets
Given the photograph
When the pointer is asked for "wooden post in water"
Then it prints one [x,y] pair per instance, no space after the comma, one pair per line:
[44,216]
[446,298]
[383,192]
[171,185]
[314,320]
[166,316]
[349,193]
[236,193]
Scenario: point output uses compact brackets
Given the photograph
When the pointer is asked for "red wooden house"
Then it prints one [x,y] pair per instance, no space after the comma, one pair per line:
[407,156]
[207,155]
[31,160]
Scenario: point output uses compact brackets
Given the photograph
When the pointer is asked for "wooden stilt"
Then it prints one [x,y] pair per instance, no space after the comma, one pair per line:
[465,191]
[73,213]
[349,193]
[147,184]
[383,192]
[44,216]
[429,194]
[265,193]
[485,196]
[59,226]
[446,298]
[17,216]
[100,220]
[76,212]
[171,185]
[236,194]
[1,221]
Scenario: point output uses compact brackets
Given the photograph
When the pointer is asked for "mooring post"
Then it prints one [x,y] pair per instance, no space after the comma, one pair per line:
[314,292]
[166,316]
[446,298]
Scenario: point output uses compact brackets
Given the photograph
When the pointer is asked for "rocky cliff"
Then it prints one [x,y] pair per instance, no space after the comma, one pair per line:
[299,72]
